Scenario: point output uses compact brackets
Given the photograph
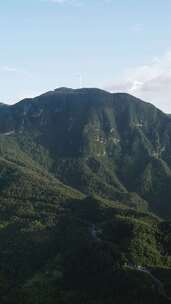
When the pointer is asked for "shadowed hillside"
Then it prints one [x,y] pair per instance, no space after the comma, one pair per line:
[85,200]
[94,141]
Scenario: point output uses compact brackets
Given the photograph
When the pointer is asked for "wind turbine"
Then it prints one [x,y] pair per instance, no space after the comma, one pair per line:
[80,80]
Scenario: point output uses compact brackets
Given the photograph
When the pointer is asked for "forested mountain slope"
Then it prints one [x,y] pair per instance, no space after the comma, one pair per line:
[85,200]
[94,141]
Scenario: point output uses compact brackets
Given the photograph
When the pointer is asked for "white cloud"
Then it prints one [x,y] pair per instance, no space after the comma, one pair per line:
[76,2]
[70,2]
[14,70]
[9,69]
[151,82]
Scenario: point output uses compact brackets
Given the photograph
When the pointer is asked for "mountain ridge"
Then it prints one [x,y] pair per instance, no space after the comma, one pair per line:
[67,90]
[85,198]
[106,141]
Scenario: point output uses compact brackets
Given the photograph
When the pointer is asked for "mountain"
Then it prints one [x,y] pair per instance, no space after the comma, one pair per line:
[113,145]
[85,199]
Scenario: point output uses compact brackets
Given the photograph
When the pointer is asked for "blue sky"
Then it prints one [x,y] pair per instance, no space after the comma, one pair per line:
[119,45]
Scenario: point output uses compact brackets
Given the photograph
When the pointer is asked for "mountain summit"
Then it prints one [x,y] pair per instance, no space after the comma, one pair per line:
[114,145]
[85,200]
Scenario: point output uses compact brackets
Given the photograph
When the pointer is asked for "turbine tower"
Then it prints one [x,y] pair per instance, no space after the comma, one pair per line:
[80,80]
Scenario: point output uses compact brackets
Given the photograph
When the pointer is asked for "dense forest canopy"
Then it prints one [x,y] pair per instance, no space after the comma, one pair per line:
[85,200]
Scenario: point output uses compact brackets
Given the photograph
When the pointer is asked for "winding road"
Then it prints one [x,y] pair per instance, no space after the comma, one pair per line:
[158,283]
